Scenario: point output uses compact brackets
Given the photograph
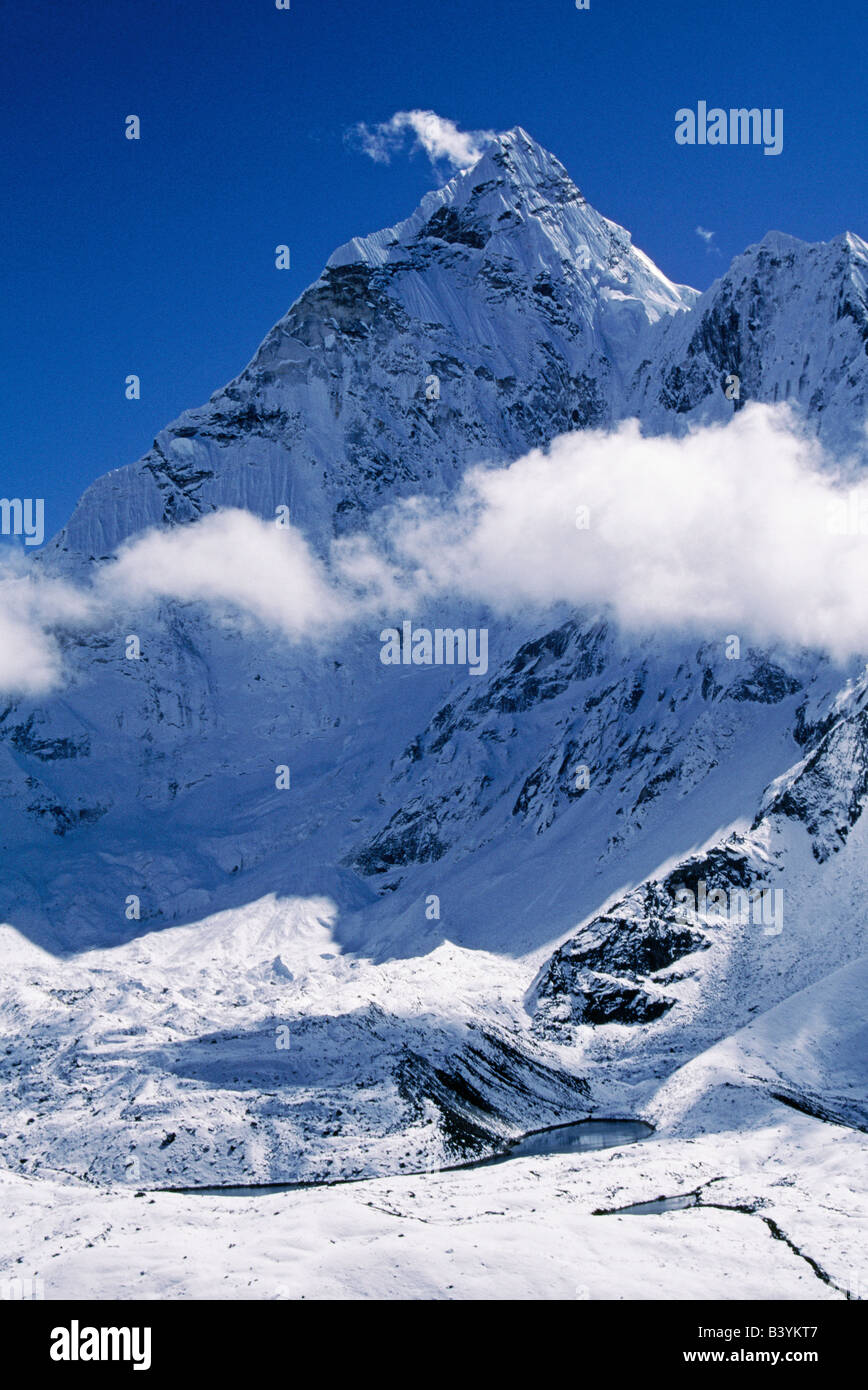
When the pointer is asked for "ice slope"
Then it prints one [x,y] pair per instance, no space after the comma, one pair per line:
[809,1051]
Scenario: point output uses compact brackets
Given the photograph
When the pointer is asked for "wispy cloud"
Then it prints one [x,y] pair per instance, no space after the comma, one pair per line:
[708,238]
[439,137]
[34,611]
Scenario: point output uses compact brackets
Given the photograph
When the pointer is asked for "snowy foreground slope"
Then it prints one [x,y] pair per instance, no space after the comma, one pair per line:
[782,1221]
[288,1008]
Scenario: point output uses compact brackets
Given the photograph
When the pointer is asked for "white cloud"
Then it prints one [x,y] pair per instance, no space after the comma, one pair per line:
[708,238]
[33,609]
[438,137]
[733,528]
[230,560]
[739,528]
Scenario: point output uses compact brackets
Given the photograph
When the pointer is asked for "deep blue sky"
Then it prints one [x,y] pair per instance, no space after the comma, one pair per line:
[157,257]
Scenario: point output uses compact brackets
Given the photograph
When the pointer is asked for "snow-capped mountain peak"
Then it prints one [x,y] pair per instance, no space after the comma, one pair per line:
[528,309]
[508,183]
[518,208]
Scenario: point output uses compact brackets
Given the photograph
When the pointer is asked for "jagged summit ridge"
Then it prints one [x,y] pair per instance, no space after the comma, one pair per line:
[790,320]
[506,183]
[519,203]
